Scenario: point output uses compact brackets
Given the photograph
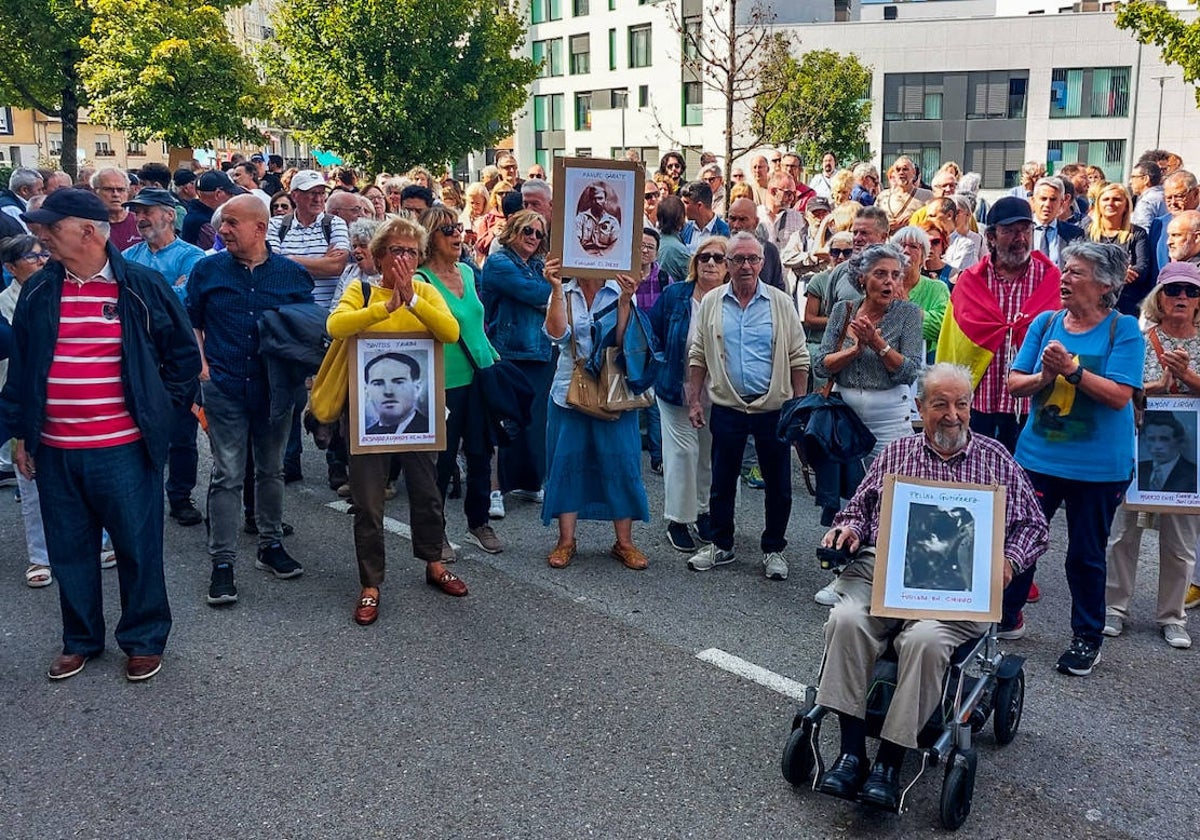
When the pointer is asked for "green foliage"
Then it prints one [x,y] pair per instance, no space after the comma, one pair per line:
[388,84]
[824,104]
[1179,41]
[39,49]
[176,75]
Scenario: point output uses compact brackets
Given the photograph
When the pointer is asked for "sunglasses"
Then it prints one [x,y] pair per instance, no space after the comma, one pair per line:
[776,160]
[529,230]
[719,259]
[651,196]
[933,242]
[450,230]
[1177,289]
[841,253]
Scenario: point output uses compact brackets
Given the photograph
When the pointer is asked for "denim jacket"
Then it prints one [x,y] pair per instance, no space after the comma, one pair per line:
[669,320]
[515,295]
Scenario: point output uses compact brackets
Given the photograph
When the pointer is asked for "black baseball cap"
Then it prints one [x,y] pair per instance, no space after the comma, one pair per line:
[1008,210]
[60,204]
[151,197]
[183,177]
[213,181]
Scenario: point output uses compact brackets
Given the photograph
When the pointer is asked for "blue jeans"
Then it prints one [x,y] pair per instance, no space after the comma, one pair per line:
[731,429]
[183,458]
[117,488]
[1090,508]
[295,441]
[233,430]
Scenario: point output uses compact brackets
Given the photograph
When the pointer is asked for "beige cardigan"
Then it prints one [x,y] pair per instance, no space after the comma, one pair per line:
[790,351]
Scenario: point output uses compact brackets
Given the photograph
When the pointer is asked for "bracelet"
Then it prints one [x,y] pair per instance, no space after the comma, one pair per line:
[887,348]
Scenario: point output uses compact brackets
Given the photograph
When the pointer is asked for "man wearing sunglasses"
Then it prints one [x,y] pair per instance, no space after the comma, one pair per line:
[711,175]
[749,347]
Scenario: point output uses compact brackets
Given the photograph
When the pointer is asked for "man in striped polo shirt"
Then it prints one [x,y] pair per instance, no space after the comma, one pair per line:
[104,354]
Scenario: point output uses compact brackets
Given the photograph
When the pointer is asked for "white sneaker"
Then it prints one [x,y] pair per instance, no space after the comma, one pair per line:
[1114,625]
[108,559]
[774,566]
[496,511]
[1176,636]
[709,556]
[827,596]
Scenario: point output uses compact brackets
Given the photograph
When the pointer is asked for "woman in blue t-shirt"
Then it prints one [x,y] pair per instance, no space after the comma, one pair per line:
[1081,365]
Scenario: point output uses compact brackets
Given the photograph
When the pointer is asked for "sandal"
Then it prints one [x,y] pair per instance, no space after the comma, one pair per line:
[562,555]
[631,556]
[37,576]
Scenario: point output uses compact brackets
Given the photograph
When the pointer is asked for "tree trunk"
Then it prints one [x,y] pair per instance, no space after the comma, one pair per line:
[729,85]
[69,157]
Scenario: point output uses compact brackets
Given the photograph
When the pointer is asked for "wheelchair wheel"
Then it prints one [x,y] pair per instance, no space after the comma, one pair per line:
[958,788]
[1009,704]
[798,759]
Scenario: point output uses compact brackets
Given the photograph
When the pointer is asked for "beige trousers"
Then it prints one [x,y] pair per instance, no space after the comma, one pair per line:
[854,640]
[1177,534]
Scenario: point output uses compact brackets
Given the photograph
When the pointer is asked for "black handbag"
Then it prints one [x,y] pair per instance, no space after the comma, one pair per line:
[506,395]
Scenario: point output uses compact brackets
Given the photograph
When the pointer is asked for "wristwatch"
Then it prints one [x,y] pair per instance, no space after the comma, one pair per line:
[1074,376]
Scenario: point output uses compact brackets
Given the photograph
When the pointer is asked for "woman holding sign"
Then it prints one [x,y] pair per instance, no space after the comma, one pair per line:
[1172,362]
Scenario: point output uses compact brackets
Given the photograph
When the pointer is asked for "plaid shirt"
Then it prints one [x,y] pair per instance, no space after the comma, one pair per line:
[992,396]
[982,461]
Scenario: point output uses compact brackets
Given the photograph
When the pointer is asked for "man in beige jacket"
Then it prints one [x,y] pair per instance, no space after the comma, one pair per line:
[749,346]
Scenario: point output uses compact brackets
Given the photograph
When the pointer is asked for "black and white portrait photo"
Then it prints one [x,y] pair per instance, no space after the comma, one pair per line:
[396,394]
[595,230]
[1165,476]
[940,548]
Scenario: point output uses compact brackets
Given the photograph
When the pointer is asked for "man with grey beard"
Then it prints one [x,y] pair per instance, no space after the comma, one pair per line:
[946,450]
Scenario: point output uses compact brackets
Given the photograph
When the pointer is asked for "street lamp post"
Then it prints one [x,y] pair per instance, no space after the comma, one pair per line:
[1158,126]
[622,102]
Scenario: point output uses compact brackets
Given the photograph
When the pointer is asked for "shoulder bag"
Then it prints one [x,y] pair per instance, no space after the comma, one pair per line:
[584,392]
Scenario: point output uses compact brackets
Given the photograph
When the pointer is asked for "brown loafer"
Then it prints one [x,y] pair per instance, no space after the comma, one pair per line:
[562,555]
[367,610]
[631,556]
[142,667]
[66,665]
[448,582]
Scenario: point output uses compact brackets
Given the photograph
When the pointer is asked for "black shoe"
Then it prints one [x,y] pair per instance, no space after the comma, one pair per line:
[337,477]
[292,477]
[845,777]
[221,589]
[1080,658]
[680,537]
[656,466]
[704,528]
[882,788]
[275,559]
[185,513]
[251,527]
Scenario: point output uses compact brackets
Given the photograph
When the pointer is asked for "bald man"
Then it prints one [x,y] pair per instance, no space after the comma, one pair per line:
[1183,237]
[227,293]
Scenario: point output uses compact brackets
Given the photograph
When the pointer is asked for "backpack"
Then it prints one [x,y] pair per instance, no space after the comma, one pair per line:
[290,219]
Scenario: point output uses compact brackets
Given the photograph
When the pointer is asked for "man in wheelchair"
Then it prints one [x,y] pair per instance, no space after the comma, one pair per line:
[946,450]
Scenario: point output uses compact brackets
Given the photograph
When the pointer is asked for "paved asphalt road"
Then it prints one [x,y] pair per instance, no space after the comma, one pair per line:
[547,704]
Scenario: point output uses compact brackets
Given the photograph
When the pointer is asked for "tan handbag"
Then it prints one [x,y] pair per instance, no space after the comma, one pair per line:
[615,387]
[584,393]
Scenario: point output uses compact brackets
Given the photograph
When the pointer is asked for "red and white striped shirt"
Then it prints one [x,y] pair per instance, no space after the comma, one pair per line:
[992,395]
[85,399]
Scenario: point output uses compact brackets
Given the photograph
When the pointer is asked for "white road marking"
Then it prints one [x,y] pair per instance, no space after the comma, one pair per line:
[755,673]
[397,527]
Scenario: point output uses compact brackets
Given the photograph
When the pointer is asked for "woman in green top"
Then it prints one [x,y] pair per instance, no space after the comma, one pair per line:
[466,419]
[929,294]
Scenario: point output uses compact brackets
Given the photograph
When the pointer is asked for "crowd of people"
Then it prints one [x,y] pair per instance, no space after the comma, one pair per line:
[753,294]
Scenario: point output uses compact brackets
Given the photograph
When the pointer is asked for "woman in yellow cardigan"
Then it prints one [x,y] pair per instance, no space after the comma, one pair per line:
[400,304]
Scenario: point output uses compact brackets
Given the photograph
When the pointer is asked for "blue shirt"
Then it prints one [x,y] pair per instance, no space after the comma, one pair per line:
[579,324]
[749,341]
[1067,433]
[225,300]
[174,262]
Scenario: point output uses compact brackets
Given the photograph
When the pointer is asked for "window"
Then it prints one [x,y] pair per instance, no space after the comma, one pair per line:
[581,54]
[548,112]
[6,126]
[998,163]
[579,8]
[927,156]
[612,49]
[545,157]
[138,149]
[612,5]
[55,144]
[549,55]
[691,38]
[997,95]
[693,103]
[580,152]
[544,10]
[1109,155]
[639,46]
[103,147]
[643,96]
[583,111]
[1089,92]
[912,96]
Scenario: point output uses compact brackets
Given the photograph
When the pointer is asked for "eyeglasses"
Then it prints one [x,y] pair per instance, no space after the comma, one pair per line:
[841,253]
[35,256]
[450,230]
[738,176]
[1177,289]
[719,259]
[509,167]
[403,251]
[651,196]
[712,178]
[530,230]
[779,191]
[1137,175]
[746,259]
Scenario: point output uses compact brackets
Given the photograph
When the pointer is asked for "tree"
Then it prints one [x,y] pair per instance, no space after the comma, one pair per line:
[823,106]
[1178,40]
[388,85]
[725,48]
[39,62]
[176,74]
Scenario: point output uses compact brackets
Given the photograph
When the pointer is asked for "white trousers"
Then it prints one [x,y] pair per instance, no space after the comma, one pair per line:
[687,464]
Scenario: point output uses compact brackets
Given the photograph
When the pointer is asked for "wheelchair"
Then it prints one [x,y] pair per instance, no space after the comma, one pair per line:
[981,682]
